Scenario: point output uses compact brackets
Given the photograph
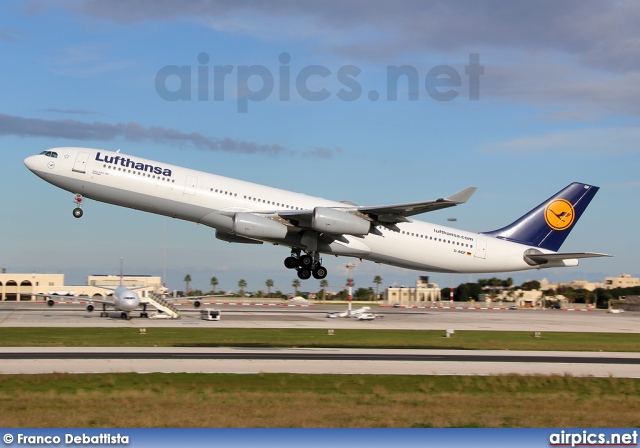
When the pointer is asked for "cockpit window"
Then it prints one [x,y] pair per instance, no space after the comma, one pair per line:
[50,154]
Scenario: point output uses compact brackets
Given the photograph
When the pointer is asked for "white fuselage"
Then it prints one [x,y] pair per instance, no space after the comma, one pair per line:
[125,300]
[212,200]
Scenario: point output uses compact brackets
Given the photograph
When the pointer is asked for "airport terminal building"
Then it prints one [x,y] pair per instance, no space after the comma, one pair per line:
[21,286]
[424,291]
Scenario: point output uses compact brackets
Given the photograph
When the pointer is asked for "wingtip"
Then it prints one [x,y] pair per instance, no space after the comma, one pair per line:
[462,196]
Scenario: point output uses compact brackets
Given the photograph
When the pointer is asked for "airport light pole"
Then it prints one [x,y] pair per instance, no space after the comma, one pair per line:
[451,291]
[350,267]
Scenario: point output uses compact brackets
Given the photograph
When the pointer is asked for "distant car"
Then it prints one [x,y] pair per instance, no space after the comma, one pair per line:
[396,305]
[615,311]
[555,306]
[513,307]
[332,316]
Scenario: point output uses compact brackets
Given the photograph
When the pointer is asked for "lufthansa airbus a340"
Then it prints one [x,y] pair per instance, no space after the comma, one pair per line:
[243,212]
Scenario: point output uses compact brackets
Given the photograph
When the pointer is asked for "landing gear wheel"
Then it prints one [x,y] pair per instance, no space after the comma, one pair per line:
[304,273]
[319,273]
[290,262]
[124,316]
[305,261]
[77,199]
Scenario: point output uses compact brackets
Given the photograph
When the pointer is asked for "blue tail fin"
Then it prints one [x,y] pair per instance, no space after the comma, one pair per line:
[549,224]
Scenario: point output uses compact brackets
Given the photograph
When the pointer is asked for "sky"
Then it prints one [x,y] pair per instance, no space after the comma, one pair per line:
[374,102]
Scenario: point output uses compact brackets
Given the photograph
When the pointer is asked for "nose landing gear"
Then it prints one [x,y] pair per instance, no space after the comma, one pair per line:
[77,212]
[306,265]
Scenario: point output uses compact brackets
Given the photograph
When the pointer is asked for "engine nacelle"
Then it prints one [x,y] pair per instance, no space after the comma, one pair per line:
[50,302]
[334,221]
[253,226]
[90,308]
[231,238]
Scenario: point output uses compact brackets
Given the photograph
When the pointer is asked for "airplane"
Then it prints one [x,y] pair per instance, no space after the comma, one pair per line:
[366,316]
[355,313]
[244,212]
[299,301]
[125,300]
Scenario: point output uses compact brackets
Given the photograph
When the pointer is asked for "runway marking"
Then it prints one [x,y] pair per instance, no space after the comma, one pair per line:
[7,316]
[466,308]
[491,358]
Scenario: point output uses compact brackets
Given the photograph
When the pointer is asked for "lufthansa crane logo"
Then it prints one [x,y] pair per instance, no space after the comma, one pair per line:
[559,214]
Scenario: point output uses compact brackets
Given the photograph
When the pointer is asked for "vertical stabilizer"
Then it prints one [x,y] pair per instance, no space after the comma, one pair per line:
[549,224]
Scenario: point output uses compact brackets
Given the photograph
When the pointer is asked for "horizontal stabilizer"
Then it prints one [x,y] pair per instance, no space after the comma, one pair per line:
[567,255]
[544,258]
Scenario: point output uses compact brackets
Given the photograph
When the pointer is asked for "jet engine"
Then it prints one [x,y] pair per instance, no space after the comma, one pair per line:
[90,308]
[253,226]
[334,221]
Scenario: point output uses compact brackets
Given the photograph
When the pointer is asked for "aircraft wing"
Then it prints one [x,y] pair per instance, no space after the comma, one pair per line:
[196,297]
[396,212]
[59,297]
[48,296]
[393,213]
[103,301]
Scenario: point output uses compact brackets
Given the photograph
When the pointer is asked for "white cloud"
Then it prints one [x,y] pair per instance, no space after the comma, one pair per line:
[583,142]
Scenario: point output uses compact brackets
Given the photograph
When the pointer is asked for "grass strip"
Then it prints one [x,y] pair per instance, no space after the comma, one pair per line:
[239,337]
[287,400]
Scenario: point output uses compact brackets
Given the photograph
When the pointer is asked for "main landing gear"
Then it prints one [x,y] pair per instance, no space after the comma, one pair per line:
[77,212]
[307,265]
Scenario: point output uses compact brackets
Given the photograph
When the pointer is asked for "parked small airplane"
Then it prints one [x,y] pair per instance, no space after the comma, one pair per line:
[243,212]
[355,313]
[366,316]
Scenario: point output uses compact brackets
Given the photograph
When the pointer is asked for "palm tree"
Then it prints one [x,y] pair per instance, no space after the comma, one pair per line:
[269,284]
[324,285]
[377,280]
[296,285]
[508,283]
[187,280]
[214,283]
[242,283]
[494,282]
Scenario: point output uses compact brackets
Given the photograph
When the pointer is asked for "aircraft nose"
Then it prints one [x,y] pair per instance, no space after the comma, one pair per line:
[30,162]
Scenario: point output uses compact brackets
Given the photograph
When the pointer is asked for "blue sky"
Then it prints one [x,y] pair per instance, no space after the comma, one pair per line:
[558,101]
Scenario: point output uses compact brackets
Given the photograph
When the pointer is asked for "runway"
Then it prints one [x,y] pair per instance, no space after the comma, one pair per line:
[316,361]
[24,314]
[322,361]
